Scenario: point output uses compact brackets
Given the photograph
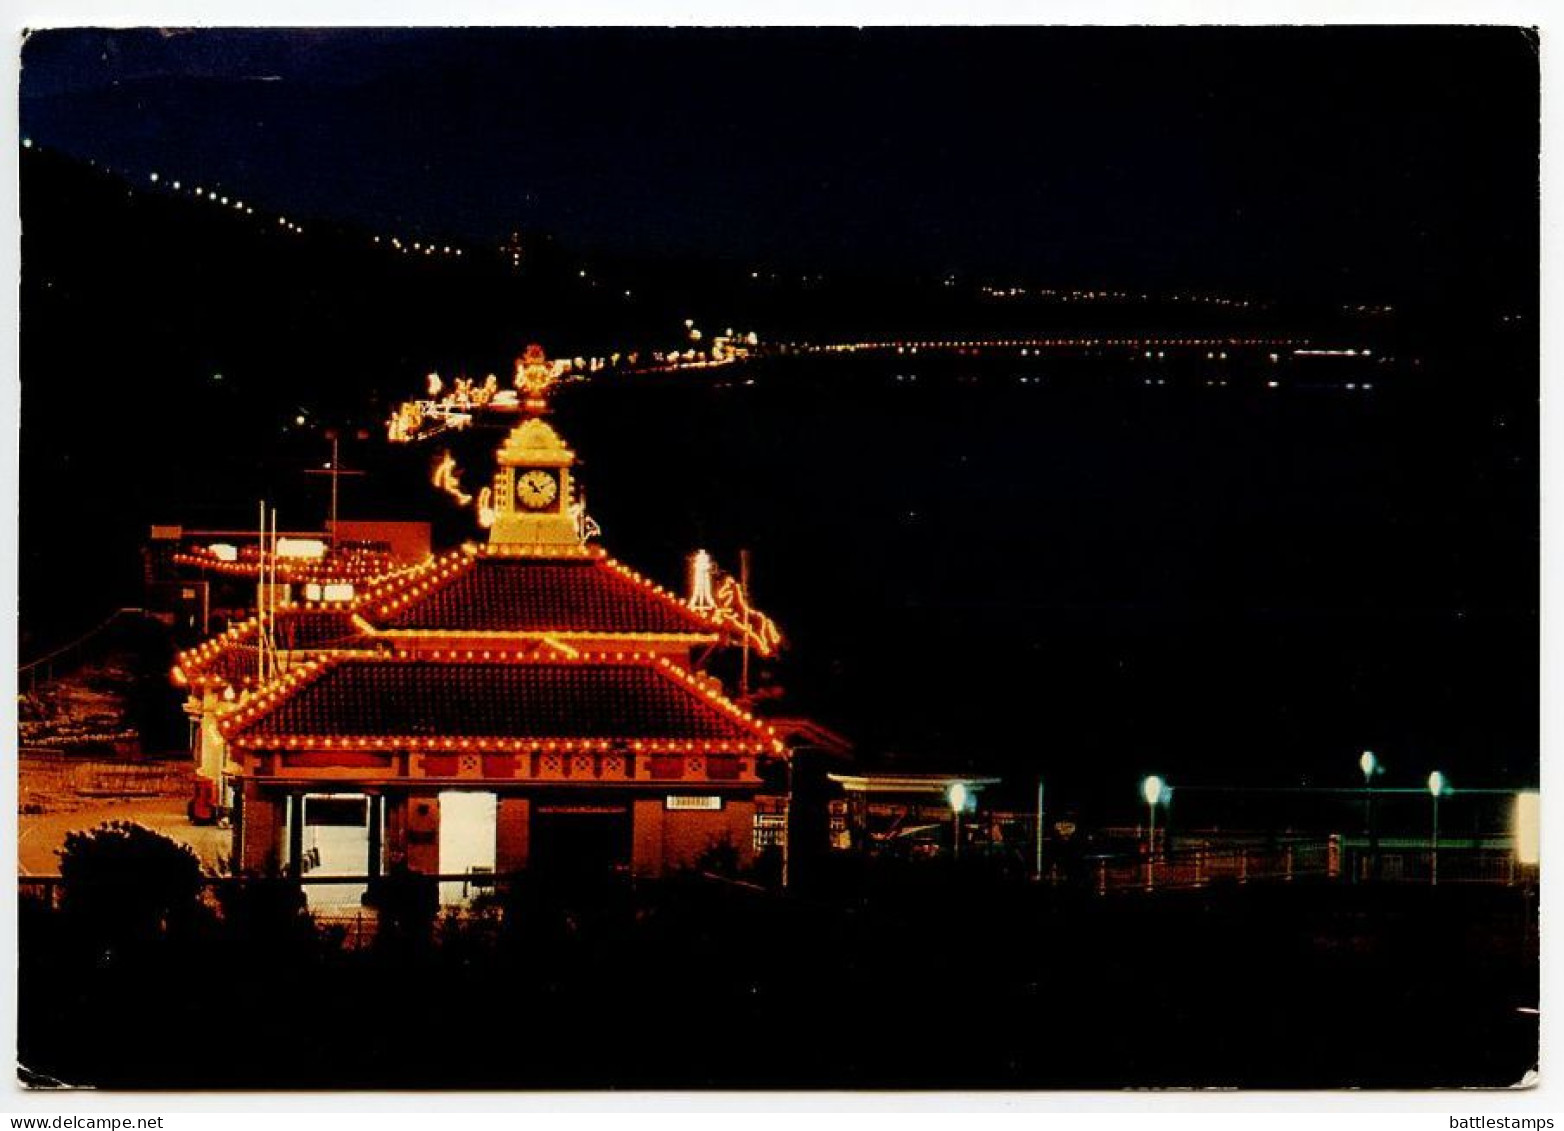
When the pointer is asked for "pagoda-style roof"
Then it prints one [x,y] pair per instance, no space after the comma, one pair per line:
[230,657]
[492,590]
[496,701]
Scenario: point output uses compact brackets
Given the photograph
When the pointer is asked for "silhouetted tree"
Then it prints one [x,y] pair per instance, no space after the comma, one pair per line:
[124,882]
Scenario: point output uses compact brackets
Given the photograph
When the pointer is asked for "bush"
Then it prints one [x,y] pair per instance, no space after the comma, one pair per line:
[267,911]
[123,882]
[407,903]
[720,857]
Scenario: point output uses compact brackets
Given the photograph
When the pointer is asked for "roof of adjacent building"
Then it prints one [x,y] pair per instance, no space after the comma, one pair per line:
[488,590]
[230,657]
[507,701]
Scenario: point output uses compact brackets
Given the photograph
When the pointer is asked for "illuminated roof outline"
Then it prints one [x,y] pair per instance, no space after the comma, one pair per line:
[496,700]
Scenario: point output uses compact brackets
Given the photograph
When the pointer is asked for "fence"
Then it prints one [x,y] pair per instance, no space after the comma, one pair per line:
[1203,865]
[1195,867]
[1449,866]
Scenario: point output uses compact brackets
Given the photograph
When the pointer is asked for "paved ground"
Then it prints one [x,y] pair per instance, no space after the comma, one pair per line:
[39,835]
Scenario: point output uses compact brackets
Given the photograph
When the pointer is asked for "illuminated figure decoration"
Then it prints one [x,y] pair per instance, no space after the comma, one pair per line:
[700,582]
[423,420]
[535,376]
[442,410]
[733,608]
[528,703]
[586,526]
[721,596]
[447,477]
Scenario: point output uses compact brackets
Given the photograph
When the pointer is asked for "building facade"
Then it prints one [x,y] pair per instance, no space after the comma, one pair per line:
[524,704]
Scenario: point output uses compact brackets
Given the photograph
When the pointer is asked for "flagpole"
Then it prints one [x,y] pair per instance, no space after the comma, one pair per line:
[744,588]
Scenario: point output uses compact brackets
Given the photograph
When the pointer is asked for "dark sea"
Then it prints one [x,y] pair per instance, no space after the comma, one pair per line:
[1093,573]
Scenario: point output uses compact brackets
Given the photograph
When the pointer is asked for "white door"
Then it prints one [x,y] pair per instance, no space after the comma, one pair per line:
[468,829]
[336,843]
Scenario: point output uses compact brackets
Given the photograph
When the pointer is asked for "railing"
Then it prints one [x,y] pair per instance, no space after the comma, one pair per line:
[1206,865]
[1448,866]
[1195,867]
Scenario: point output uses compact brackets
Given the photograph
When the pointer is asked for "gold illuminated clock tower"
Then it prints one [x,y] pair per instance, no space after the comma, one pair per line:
[532,492]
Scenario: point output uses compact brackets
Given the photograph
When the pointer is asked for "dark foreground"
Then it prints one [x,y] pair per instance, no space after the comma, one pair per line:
[933,981]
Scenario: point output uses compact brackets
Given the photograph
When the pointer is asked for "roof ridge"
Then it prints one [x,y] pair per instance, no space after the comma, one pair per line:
[193,659]
[435,573]
[258,701]
[262,702]
[629,573]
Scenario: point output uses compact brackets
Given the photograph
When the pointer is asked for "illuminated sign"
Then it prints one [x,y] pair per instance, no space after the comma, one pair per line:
[676,802]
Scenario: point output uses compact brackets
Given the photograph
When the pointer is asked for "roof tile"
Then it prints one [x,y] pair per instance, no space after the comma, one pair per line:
[501,594]
[406,697]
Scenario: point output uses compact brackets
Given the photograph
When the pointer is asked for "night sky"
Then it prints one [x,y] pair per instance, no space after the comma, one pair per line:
[1356,164]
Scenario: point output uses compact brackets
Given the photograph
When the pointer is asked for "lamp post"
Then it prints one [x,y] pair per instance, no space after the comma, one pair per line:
[1370,766]
[1037,861]
[1152,789]
[1437,785]
[957,796]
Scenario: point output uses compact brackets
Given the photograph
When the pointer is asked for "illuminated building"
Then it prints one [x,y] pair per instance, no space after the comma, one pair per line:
[527,703]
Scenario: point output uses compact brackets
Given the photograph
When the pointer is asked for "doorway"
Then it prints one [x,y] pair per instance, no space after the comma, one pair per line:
[580,843]
[468,827]
[335,842]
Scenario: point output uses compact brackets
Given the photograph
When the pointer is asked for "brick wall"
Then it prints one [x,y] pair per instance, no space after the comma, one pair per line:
[512,834]
[423,832]
[667,841]
[259,835]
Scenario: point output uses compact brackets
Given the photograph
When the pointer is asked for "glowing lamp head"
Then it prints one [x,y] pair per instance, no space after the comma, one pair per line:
[958,795]
[1437,785]
[1528,827]
[1153,789]
[1368,764]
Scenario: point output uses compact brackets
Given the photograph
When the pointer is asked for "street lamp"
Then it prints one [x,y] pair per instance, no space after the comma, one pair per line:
[1152,788]
[1528,827]
[957,795]
[1370,766]
[1437,785]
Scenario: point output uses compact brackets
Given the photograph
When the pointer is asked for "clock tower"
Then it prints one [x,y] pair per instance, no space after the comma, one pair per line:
[532,492]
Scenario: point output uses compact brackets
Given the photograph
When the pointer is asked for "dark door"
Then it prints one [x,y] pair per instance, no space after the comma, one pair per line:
[580,842]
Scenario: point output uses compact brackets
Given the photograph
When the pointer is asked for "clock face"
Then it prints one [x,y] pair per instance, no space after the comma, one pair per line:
[536,489]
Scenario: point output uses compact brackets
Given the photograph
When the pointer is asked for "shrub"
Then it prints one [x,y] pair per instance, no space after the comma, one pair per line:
[124,881]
